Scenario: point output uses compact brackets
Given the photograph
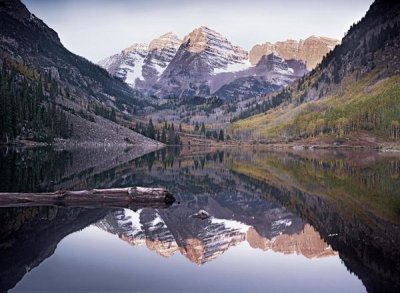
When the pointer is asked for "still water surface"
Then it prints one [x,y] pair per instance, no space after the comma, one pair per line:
[280,222]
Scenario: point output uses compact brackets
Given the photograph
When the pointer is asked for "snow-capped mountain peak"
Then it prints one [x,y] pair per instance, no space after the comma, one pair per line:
[141,64]
[168,40]
[216,47]
[203,53]
[128,64]
[140,48]
[161,51]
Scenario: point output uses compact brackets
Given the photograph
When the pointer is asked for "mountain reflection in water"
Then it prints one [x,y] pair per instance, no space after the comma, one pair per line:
[318,205]
[174,230]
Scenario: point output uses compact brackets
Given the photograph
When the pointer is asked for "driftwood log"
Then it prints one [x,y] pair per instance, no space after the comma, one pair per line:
[137,197]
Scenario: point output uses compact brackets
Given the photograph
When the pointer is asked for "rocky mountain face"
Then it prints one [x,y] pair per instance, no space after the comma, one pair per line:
[161,51]
[202,54]
[205,63]
[271,73]
[86,94]
[310,51]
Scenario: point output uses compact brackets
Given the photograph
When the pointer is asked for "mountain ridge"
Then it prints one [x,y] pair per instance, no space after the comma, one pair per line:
[203,63]
[310,50]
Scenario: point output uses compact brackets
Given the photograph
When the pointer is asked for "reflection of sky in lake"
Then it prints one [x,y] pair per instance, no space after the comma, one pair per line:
[94,260]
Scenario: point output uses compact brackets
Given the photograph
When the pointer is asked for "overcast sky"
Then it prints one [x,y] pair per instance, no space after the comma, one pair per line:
[98,28]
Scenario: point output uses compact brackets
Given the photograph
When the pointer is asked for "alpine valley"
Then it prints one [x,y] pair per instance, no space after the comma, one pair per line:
[313,91]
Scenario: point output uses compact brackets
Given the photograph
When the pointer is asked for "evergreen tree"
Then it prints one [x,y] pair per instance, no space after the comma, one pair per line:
[151,131]
[221,135]
[163,138]
[203,128]
[113,115]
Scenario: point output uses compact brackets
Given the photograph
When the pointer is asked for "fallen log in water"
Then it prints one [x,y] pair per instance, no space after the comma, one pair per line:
[137,197]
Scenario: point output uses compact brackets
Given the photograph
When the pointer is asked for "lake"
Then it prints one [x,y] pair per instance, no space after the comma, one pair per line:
[280,221]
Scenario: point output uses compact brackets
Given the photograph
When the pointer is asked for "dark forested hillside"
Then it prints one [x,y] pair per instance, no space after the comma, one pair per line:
[27,106]
[46,90]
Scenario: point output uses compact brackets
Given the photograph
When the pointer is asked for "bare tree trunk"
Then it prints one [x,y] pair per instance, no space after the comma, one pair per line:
[139,197]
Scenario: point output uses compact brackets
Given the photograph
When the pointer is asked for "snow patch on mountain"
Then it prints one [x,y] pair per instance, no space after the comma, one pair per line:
[128,64]
[131,73]
[234,67]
